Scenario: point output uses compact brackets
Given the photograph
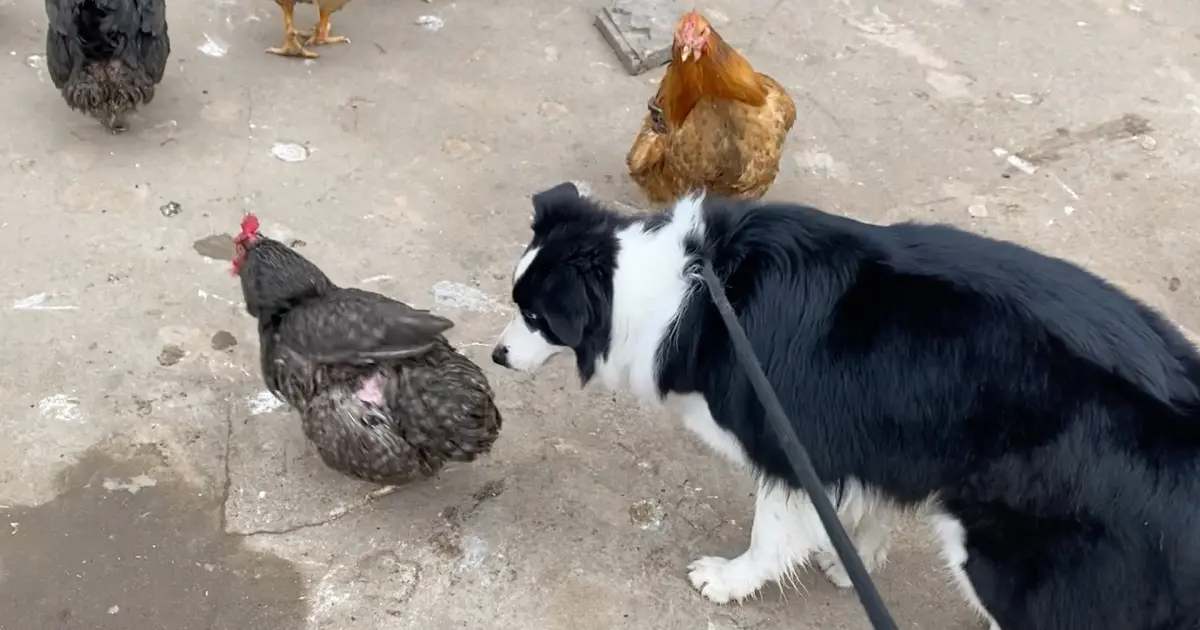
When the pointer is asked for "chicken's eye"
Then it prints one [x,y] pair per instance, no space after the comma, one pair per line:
[529,316]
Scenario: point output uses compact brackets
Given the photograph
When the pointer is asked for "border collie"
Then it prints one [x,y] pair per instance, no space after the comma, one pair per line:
[1049,423]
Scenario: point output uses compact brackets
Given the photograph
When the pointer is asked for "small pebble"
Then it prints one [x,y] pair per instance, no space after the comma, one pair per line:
[977,210]
[170,209]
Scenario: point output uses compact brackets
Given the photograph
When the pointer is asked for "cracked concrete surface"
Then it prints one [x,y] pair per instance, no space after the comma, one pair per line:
[148,483]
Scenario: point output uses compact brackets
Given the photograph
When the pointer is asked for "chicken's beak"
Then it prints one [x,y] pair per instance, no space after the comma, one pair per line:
[687,52]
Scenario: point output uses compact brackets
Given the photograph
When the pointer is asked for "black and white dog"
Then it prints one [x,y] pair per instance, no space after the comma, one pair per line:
[1049,422]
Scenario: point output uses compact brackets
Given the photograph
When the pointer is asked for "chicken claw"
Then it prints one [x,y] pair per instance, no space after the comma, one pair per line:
[320,34]
[292,48]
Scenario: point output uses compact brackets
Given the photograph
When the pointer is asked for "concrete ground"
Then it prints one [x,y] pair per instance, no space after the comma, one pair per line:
[147,483]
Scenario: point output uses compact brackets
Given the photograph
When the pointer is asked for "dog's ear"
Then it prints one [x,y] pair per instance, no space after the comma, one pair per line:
[566,309]
[567,327]
[557,199]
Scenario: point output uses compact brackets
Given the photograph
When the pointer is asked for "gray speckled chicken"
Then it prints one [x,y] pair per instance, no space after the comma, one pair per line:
[380,392]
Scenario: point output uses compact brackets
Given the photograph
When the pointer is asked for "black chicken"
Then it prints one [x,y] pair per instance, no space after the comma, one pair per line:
[107,56]
[381,393]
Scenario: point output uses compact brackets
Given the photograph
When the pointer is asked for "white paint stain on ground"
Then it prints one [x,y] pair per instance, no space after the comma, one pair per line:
[949,85]
[37,302]
[475,552]
[1067,189]
[133,486]
[60,407]
[213,46]
[264,402]
[880,28]
[458,295]
[206,295]
[374,279]
[327,597]
[1015,161]
[431,23]
[289,152]
[820,163]
[37,62]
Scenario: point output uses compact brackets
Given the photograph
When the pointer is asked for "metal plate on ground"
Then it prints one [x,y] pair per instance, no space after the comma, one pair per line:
[640,31]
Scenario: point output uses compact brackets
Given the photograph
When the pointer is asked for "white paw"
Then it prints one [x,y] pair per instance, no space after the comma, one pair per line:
[721,580]
[831,566]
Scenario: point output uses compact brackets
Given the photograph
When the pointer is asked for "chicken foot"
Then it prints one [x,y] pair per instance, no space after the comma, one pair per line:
[291,46]
[113,121]
[320,34]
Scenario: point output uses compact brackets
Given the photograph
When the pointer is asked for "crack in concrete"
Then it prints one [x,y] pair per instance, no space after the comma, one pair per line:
[228,481]
[334,516]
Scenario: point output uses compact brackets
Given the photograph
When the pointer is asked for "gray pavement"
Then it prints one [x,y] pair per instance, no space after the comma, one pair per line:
[145,480]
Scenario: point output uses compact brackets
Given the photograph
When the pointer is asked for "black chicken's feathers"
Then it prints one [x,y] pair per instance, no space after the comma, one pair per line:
[152,41]
[359,327]
[133,31]
[276,278]
[154,16]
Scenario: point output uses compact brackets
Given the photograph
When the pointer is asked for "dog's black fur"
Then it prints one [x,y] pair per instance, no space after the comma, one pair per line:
[1053,415]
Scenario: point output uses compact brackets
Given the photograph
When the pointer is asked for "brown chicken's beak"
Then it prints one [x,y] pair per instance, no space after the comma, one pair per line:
[687,52]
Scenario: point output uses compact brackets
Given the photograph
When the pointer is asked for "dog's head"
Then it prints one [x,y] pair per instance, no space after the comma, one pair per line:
[563,284]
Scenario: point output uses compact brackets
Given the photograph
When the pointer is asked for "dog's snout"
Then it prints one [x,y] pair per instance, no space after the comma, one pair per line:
[500,355]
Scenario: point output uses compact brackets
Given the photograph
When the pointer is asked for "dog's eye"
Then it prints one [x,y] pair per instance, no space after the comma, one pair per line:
[529,315]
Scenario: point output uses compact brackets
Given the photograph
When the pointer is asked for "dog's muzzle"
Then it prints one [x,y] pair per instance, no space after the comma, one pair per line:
[500,355]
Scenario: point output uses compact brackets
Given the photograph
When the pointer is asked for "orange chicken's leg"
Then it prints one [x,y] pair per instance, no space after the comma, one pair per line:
[291,46]
[321,33]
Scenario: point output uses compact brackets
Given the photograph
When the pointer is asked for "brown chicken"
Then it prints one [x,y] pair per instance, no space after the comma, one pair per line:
[714,124]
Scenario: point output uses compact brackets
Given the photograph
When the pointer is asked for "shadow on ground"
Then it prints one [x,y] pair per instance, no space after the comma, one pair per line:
[128,545]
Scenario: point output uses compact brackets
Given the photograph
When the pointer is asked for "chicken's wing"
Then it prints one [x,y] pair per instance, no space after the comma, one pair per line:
[354,326]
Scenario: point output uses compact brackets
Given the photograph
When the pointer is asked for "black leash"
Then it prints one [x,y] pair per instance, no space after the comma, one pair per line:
[797,456]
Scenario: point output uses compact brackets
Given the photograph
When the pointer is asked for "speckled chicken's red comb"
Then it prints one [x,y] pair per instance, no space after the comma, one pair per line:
[249,225]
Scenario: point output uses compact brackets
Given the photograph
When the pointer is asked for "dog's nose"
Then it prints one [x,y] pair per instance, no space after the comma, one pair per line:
[500,356]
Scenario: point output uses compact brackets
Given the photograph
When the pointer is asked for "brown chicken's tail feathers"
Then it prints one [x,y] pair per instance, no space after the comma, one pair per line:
[787,104]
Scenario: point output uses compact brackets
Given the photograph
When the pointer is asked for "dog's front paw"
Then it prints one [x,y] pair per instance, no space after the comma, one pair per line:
[721,580]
